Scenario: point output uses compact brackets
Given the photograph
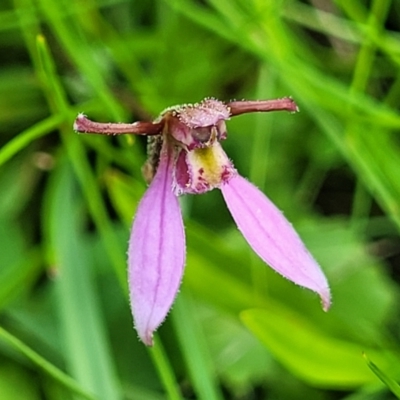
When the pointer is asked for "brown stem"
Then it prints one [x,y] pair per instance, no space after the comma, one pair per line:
[242,107]
[85,125]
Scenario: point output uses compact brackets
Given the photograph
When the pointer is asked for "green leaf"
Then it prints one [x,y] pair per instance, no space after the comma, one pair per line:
[12,376]
[312,355]
[387,380]
[239,358]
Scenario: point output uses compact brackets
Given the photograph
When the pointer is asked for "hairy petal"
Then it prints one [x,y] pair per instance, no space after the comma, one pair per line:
[156,254]
[272,237]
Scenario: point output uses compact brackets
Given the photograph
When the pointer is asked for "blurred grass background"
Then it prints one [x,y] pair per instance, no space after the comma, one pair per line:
[237,329]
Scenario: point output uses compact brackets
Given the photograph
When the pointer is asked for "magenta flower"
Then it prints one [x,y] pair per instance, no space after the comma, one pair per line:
[185,156]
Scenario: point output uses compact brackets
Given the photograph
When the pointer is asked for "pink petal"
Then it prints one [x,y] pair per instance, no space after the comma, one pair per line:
[156,254]
[272,237]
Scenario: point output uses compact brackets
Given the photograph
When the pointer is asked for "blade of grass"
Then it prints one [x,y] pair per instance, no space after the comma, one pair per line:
[26,137]
[44,365]
[83,326]
[9,20]
[92,21]
[164,370]
[38,130]
[299,77]
[366,55]
[322,21]
[361,75]
[195,350]
[80,51]
[88,352]
[393,386]
[373,158]
[76,152]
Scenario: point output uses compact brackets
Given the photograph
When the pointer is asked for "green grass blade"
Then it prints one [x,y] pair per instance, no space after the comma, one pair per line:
[194,347]
[164,369]
[75,149]
[85,338]
[81,52]
[389,382]
[44,365]
[28,136]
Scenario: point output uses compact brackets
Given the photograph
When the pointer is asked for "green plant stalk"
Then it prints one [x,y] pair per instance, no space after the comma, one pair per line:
[164,369]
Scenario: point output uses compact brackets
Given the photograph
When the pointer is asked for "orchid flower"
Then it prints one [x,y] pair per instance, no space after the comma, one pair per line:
[186,157]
